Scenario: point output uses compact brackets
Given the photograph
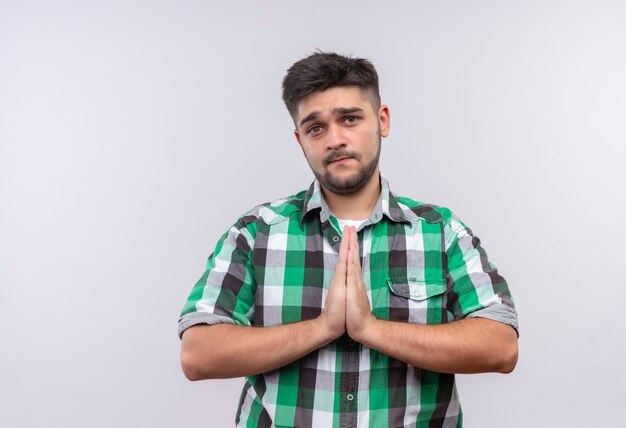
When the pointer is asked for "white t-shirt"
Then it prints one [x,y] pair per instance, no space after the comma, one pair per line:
[355,223]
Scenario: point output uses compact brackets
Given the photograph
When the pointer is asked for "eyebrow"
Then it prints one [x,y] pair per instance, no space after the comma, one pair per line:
[339,111]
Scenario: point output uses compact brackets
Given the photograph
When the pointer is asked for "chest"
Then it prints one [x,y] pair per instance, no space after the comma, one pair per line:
[403,269]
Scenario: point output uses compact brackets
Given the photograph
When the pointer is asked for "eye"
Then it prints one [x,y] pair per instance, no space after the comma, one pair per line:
[315,129]
[350,120]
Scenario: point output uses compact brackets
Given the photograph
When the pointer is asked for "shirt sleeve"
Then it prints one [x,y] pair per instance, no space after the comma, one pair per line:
[478,290]
[225,292]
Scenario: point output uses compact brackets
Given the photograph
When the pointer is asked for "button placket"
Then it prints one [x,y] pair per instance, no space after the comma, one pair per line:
[332,236]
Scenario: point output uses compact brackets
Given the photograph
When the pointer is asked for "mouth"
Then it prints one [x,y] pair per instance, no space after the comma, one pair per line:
[340,157]
[339,160]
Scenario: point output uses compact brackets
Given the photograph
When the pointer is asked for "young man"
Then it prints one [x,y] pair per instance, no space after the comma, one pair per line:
[345,305]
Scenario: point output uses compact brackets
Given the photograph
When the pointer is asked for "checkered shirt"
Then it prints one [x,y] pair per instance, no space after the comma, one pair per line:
[420,264]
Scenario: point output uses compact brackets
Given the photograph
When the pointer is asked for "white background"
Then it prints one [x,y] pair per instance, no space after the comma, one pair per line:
[133,133]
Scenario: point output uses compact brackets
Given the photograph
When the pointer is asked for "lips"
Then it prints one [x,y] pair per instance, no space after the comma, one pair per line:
[340,156]
[338,159]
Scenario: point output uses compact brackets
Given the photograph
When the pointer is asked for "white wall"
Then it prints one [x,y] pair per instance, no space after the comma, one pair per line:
[132,133]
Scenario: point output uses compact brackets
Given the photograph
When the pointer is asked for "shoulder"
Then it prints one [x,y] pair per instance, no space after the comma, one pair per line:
[429,212]
[451,225]
[273,212]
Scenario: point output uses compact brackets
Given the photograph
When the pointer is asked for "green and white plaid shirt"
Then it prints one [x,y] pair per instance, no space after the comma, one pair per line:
[420,264]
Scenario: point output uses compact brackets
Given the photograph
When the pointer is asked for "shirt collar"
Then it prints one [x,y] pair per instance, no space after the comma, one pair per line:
[386,205]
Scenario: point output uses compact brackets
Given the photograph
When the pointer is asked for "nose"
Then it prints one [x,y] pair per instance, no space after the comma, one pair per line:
[335,137]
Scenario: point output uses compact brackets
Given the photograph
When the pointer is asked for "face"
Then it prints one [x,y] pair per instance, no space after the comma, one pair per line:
[340,133]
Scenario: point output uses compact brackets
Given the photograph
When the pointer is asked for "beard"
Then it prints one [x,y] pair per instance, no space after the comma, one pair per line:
[353,183]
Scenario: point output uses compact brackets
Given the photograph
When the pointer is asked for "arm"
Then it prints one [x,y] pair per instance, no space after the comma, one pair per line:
[471,345]
[226,350]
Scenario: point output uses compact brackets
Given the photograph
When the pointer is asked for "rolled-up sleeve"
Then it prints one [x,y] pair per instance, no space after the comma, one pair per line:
[477,289]
[225,292]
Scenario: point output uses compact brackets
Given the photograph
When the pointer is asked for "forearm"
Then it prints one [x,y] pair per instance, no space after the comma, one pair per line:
[226,350]
[473,345]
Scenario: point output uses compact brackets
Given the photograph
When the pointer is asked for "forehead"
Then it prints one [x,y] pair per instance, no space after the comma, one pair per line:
[324,102]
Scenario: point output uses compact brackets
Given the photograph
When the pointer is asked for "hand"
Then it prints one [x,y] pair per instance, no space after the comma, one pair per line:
[359,317]
[333,316]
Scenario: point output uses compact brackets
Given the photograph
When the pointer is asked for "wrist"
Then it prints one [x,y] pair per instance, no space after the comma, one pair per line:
[324,330]
[366,330]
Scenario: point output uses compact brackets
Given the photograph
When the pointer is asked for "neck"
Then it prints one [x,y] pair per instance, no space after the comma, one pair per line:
[355,206]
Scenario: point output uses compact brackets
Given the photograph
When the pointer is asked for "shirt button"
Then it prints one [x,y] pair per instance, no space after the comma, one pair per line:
[351,342]
[349,397]
[335,238]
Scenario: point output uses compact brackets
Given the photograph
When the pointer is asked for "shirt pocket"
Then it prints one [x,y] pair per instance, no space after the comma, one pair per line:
[416,300]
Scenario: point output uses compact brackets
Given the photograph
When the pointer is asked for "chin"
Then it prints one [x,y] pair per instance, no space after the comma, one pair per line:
[344,185]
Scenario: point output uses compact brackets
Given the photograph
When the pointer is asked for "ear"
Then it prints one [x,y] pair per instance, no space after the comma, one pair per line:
[297,135]
[384,119]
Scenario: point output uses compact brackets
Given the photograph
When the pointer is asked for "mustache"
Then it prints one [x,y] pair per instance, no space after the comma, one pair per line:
[340,155]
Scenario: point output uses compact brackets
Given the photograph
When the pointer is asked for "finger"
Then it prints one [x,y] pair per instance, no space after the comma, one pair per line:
[344,244]
[343,253]
[355,274]
[353,259]
[354,246]
[350,261]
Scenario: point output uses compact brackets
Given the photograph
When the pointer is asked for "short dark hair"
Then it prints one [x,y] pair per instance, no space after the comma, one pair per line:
[325,70]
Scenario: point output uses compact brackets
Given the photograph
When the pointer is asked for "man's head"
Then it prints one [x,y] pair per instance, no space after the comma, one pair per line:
[335,105]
